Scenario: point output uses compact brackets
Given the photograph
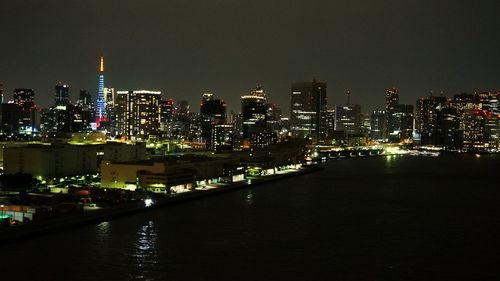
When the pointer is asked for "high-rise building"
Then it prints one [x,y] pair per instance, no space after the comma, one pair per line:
[474,130]
[84,111]
[426,117]
[448,131]
[308,116]
[401,125]
[61,95]
[348,118]
[101,101]
[10,116]
[212,112]
[166,117]
[254,112]
[138,114]
[273,118]
[25,99]
[222,137]
[391,98]
[378,128]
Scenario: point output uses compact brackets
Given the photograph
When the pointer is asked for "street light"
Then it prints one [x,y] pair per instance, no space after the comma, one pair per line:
[2,206]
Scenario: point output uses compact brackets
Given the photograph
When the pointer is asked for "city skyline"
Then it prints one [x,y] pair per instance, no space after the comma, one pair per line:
[423,46]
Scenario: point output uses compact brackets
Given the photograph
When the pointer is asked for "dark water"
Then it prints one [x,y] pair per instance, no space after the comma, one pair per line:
[407,218]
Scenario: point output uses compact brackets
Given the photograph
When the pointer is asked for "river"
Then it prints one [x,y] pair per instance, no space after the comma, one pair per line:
[380,218]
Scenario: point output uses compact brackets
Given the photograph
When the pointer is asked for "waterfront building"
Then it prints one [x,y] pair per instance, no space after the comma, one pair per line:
[61,95]
[474,137]
[138,114]
[308,116]
[47,161]
[167,175]
[101,101]
[50,161]
[401,123]
[448,131]
[426,117]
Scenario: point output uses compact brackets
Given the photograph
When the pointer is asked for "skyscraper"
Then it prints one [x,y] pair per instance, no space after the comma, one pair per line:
[348,118]
[138,114]
[61,95]
[254,111]
[378,128]
[308,116]
[101,101]
[25,99]
[212,112]
[391,98]
[426,117]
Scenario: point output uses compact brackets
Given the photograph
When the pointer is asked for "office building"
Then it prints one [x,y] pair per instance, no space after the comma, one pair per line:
[308,116]
[61,95]
[138,114]
[254,112]
[212,112]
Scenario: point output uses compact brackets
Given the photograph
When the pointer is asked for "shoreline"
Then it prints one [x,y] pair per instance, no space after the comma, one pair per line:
[18,233]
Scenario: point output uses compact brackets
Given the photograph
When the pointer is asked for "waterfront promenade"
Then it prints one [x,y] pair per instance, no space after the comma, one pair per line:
[105,214]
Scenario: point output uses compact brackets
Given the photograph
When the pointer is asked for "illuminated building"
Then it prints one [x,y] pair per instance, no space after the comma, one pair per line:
[488,103]
[448,131]
[61,95]
[401,123]
[138,114]
[391,99]
[166,117]
[348,118]
[263,139]
[25,99]
[254,112]
[101,101]
[212,112]
[169,175]
[308,116]
[222,137]
[273,118]
[84,111]
[378,126]
[474,137]
[426,117]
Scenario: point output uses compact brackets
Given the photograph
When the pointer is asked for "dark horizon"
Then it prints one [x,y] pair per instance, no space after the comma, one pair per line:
[186,49]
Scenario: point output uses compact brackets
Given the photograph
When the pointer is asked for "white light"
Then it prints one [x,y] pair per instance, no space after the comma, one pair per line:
[148,202]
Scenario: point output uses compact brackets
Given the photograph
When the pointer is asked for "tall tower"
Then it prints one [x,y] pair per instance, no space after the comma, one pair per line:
[101,115]
[308,116]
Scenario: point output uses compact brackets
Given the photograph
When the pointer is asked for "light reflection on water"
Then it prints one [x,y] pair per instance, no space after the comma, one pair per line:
[145,253]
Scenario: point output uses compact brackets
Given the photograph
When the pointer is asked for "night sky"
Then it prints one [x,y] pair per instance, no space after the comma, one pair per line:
[227,47]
